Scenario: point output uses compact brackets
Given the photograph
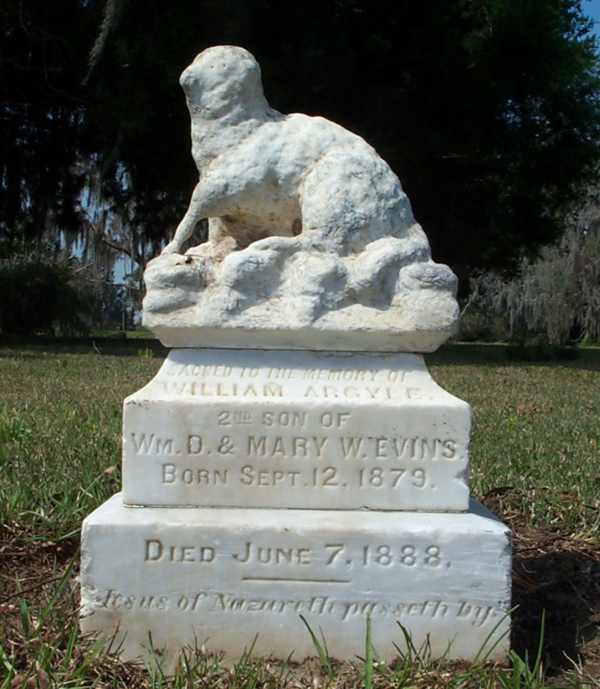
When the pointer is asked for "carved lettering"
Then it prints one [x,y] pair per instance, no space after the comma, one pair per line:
[293,419]
[331,420]
[194,445]
[150,444]
[269,555]
[197,476]
[381,448]
[199,371]
[281,446]
[343,608]
[156,551]
[477,614]
[354,392]
[249,476]
[114,599]
[211,389]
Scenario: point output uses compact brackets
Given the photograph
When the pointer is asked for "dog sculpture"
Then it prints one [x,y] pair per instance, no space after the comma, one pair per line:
[310,234]
[267,174]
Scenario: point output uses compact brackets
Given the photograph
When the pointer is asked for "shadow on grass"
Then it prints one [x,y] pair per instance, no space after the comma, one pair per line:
[453,354]
[469,354]
[37,347]
[564,584]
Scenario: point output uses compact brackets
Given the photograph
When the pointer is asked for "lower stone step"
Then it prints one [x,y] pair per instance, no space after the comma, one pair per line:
[172,578]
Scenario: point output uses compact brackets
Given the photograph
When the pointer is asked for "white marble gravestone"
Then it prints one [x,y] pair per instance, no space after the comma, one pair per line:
[293,459]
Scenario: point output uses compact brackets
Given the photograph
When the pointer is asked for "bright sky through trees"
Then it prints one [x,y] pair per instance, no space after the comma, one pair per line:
[592,9]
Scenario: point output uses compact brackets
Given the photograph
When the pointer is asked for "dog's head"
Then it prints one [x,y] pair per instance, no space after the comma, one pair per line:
[221,81]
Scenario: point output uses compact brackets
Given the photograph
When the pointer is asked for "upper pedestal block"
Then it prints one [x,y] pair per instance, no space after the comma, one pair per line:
[295,429]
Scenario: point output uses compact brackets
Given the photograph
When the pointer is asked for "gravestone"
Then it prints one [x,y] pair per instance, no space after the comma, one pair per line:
[293,458]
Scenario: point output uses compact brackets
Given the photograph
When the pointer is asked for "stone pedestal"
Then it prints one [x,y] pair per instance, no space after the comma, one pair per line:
[262,486]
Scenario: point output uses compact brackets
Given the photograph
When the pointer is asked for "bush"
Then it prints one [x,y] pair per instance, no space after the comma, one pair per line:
[39,295]
[478,325]
[553,300]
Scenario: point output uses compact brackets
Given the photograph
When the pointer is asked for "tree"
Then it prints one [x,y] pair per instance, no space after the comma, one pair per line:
[487,109]
[43,115]
[554,298]
[44,291]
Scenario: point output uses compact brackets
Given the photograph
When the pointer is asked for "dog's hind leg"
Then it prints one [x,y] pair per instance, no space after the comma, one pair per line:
[351,197]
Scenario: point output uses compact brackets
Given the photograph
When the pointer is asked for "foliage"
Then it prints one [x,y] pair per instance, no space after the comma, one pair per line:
[554,299]
[488,110]
[42,114]
[41,293]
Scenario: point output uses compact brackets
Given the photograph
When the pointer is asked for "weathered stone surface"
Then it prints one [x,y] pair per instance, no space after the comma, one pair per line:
[295,429]
[312,241]
[222,576]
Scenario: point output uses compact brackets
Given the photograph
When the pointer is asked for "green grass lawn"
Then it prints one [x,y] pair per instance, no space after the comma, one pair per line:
[534,459]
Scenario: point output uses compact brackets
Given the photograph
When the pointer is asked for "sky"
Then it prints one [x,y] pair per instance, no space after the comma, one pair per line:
[592,9]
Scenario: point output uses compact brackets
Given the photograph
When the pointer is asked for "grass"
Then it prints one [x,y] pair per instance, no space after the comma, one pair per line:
[534,461]
[536,438]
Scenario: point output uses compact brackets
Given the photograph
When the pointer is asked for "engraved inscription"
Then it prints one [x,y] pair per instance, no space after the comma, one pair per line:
[273,556]
[378,477]
[343,608]
[150,444]
[368,392]
[226,389]
[199,370]
[172,474]
[230,418]
[249,476]
[258,390]
[315,477]
[414,448]
[285,419]
[308,382]
[156,551]
[325,374]
[272,446]
[331,555]
[332,455]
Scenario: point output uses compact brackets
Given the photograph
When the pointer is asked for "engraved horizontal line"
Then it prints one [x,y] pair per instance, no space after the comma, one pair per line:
[298,581]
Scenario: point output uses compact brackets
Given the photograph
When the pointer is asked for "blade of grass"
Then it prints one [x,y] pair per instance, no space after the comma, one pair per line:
[321,649]
[368,670]
[479,658]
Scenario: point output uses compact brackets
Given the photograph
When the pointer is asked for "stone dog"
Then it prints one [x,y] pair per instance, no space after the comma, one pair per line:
[309,231]
[265,174]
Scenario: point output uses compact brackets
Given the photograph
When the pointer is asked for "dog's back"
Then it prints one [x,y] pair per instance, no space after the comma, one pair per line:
[263,173]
